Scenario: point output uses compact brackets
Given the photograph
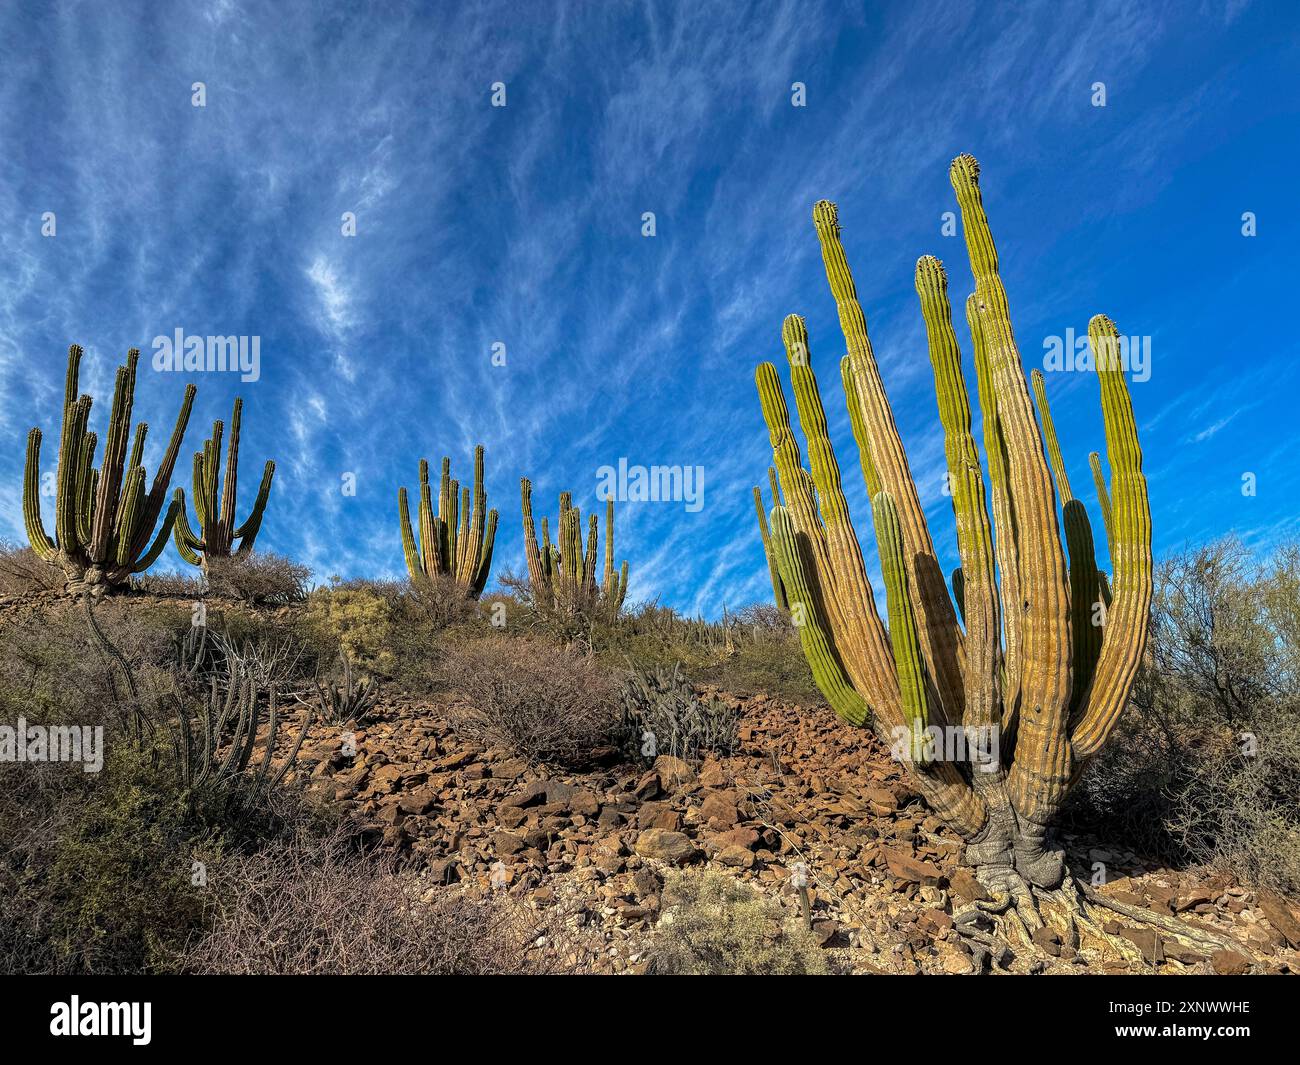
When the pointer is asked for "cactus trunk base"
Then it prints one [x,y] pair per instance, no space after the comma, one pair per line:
[1018,918]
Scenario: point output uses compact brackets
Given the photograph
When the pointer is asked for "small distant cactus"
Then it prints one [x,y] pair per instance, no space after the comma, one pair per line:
[456,542]
[103,517]
[216,507]
[562,577]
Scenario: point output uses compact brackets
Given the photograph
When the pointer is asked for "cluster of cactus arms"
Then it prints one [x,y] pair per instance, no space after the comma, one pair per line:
[1036,672]
[104,516]
[214,501]
[456,542]
[562,576]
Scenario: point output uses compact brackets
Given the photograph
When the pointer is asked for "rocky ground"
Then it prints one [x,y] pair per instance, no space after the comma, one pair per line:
[592,846]
[584,853]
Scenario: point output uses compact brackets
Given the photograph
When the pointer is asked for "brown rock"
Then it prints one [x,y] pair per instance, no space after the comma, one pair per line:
[673,772]
[966,887]
[1229,963]
[671,847]
[719,808]
[908,869]
[506,843]
[737,857]
[1280,916]
[419,802]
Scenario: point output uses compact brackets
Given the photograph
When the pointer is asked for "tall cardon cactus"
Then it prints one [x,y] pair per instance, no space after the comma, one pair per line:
[214,501]
[1032,678]
[104,517]
[562,576]
[455,542]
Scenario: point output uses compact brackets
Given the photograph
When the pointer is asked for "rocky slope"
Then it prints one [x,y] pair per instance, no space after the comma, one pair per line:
[802,788]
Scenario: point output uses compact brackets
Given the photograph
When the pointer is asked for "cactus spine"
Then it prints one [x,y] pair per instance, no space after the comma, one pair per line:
[104,517]
[215,507]
[455,542]
[1022,665]
[562,576]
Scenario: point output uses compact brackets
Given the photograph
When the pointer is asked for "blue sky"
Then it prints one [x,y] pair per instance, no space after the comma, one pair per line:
[522,225]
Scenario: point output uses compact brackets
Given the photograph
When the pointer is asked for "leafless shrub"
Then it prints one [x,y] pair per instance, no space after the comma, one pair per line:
[259,578]
[1205,765]
[546,703]
[22,572]
[319,908]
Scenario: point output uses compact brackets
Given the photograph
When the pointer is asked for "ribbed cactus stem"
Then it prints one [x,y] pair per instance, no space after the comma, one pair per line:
[818,646]
[215,498]
[1085,634]
[979,602]
[1103,493]
[567,576]
[773,569]
[1041,771]
[941,637]
[902,625]
[1125,635]
[456,542]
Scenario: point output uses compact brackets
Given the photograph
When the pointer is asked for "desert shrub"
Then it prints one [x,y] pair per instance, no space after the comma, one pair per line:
[188,584]
[21,571]
[1205,766]
[544,702]
[258,578]
[359,617]
[660,707]
[96,870]
[309,906]
[713,925]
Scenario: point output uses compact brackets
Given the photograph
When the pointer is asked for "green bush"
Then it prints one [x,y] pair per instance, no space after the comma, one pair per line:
[713,925]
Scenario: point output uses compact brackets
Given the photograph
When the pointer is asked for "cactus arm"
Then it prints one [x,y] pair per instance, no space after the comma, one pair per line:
[45,548]
[1040,772]
[137,448]
[112,470]
[940,635]
[414,566]
[230,488]
[1004,522]
[1125,636]
[429,551]
[473,550]
[622,586]
[130,505]
[536,574]
[589,559]
[1103,494]
[902,625]
[1084,635]
[861,637]
[163,475]
[187,544]
[247,532]
[462,534]
[485,558]
[164,533]
[818,647]
[86,507]
[608,580]
[869,475]
[1053,446]
[978,600]
[197,479]
[773,569]
[76,411]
